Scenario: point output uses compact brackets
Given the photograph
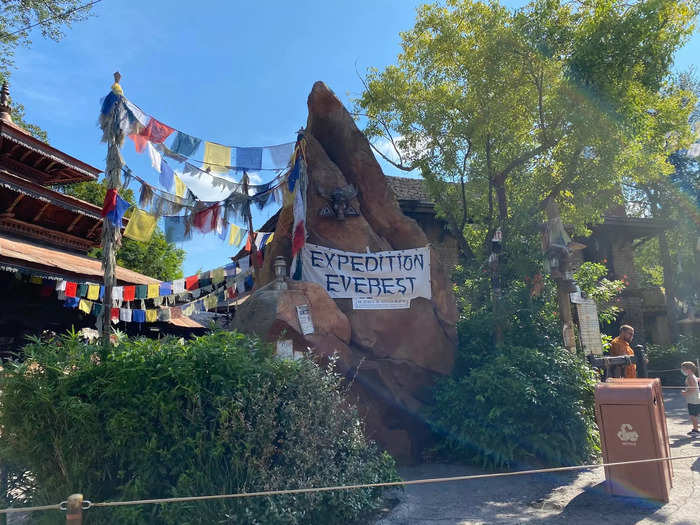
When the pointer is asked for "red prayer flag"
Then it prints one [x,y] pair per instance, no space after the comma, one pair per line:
[231,292]
[155,132]
[46,290]
[129,293]
[192,282]
[71,288]
[115,313]
[207,219]
[298,239]
[110,201]
[249,242]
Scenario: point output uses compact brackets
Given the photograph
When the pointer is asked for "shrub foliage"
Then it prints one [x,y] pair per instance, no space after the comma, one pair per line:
[153,419]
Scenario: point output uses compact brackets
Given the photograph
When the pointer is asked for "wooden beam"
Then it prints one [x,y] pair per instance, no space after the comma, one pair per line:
[92,230]
[73,223]
[14,203]
[25,155]
[41,212]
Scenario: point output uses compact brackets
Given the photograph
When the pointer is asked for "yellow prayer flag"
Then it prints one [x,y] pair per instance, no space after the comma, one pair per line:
[93,292]
[216,157]
[35,279]
[269,239]
[85,306]
[180,187]
[151,315]
[287,196]
[210,302]
[235,236]
[141,226]
[153,291]
[218,275]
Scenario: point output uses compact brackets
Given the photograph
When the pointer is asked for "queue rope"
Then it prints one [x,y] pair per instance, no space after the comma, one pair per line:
[87,504]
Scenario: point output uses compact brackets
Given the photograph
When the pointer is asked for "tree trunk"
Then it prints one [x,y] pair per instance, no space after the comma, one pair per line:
[669,285]
[563,299]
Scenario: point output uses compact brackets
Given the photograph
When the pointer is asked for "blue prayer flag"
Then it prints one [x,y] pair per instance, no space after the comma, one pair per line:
[185,144]
[167,177]
[174,228]
[249,158]
[138,316]
[294,174]
[166,288]
[115,216]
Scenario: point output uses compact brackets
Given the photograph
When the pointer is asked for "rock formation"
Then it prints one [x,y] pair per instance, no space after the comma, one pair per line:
[393,356]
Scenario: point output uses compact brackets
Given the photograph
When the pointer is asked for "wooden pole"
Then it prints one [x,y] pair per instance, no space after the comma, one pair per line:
[74,509]
[249,217]
[111,234]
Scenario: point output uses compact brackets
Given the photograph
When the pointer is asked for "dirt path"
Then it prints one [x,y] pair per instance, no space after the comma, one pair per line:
[572,498]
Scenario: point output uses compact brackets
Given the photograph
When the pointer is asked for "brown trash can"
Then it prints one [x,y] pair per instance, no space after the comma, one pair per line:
[632,427]
[658,390]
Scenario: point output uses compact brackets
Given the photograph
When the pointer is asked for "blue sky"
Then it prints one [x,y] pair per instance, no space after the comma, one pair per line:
[231,72]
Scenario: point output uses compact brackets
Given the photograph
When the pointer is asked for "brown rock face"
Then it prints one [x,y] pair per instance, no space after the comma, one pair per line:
[399,353]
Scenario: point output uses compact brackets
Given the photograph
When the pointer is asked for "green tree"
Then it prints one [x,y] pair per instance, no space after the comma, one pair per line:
[51,18]
[514,116]
[156,258]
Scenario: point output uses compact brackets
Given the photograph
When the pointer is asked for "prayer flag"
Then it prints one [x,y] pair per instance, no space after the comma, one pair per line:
[269,239]
[156,157]
[249,158]
[167,177]
[294,174]
[281,154]
[97,309]
[222,229]
[164,315]
[180,187]
[85,306]
[185,144]
[206,220]
[82,290]
[129,293]
[71,302]
[125,315]
[35,279]
[156,132]
[192,282]
[217,157]
[117,293]
[114,314]
[93,292]
[60,286]
[117,213]
[138,316]
[110,201]
[178,286]
[141,291]
[151,316]
[174,228]
[141,226]
[166,289]
[235,236]
[153,290]
[218,275]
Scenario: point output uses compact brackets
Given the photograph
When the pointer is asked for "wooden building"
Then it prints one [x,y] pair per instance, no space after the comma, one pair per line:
[45,236]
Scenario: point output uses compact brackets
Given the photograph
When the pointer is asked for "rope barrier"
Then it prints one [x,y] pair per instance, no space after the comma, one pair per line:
[87,504]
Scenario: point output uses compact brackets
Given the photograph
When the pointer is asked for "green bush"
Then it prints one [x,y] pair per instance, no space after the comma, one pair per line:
[155,419]
[665,360]
[518,406]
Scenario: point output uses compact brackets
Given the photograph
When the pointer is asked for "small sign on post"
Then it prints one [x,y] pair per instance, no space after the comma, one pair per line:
[304,317]
[589,328]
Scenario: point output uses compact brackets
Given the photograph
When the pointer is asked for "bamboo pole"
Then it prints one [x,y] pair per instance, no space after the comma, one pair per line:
[249,217]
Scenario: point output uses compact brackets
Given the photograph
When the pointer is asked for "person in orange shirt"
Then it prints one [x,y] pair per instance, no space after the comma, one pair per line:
[621,346]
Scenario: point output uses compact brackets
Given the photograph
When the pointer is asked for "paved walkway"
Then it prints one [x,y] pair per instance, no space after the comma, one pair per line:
[571,498]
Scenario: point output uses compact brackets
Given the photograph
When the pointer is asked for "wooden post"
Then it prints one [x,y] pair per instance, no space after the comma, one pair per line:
[111,233]
[74,509]
[253,248]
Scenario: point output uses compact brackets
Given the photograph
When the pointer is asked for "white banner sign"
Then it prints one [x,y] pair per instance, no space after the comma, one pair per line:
[361,303]
[401,274]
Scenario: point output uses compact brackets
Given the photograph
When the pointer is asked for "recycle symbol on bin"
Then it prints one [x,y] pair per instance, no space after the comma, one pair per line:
[627,433]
